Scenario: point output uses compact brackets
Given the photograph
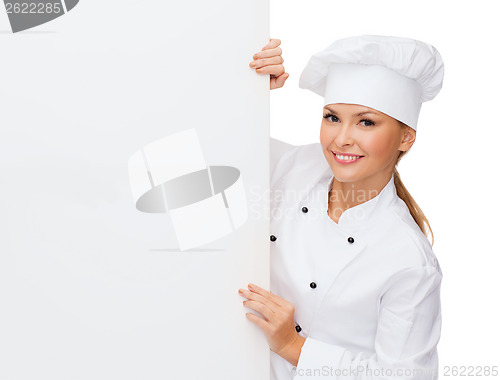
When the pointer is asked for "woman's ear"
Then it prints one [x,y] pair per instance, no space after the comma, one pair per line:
[408,138]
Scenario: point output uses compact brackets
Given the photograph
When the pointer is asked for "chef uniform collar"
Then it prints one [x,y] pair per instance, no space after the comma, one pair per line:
[356,219]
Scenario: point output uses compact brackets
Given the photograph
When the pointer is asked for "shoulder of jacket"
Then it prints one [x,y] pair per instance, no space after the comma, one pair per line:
[299,166]
[410,244]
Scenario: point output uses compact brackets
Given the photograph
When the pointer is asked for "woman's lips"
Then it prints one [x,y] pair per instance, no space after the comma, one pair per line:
[346,158]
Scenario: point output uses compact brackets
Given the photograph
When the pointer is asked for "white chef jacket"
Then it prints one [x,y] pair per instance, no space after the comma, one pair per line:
[366,291]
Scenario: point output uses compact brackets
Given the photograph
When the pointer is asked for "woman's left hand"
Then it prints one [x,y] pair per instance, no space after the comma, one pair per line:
[278,325]
[270,61]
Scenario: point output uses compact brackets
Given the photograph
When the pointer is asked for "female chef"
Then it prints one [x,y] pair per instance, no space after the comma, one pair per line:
[355,285]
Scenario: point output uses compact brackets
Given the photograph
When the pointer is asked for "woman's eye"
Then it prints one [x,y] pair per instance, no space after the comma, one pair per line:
[334,118]
[367,122]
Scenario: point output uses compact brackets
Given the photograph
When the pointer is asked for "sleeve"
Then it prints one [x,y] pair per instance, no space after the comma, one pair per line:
[408,331]
[277,149]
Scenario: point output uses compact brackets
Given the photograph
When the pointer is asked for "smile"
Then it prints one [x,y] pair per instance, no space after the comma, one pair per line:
[346,158]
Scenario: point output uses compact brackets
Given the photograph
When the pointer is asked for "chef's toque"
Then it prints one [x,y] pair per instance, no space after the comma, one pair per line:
[393,75]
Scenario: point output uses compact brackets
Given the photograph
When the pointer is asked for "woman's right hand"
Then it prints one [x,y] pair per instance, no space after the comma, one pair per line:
[269,61]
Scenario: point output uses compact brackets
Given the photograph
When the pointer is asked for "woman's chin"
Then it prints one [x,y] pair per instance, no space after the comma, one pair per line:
[345,176]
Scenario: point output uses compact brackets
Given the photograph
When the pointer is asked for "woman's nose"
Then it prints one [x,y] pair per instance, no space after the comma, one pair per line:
[344,136]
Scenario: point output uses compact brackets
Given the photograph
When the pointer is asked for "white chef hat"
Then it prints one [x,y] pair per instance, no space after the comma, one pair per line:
[393,75]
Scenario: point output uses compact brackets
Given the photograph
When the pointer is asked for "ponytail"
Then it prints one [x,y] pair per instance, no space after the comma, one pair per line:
[415,211]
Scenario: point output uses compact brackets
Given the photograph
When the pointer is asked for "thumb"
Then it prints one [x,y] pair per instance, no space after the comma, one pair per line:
[280,81]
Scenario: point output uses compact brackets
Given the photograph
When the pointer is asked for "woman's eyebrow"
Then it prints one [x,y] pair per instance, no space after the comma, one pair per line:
[359,114]
[364,113]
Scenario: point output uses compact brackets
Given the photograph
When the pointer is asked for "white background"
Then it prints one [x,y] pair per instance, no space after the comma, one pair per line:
[451,170]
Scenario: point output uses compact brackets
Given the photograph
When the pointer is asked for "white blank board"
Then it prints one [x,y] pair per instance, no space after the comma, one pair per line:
[90,286]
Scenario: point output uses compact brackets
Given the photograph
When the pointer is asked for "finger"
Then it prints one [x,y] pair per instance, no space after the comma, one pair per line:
[261,308]
[252,296]
[275,70]
[273,42]
[268,53]
[273,297]
[279,81]
[277,60]
[258,321]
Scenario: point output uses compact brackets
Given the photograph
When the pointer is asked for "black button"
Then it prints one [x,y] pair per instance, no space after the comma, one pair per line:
[312,285]
[350,239]
[273,238]
[298,328]
[304,209]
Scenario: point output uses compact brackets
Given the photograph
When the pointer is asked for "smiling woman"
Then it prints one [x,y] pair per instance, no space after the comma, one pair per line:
[355,284]
[381,140]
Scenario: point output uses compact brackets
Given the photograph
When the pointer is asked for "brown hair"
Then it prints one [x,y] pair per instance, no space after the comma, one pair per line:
[415,211]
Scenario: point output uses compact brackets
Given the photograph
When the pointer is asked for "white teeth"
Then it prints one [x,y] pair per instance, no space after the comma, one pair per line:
[346,158]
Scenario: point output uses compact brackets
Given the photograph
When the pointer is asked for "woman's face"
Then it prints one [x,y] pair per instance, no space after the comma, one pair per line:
[357,130]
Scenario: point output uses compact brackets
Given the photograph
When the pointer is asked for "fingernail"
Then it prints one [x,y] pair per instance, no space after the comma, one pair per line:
[250,286]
